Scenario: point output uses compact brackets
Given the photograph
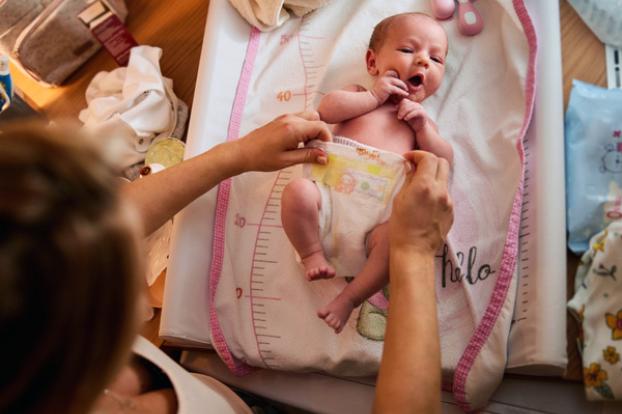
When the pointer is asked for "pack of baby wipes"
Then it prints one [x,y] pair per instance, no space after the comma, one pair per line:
[593,130]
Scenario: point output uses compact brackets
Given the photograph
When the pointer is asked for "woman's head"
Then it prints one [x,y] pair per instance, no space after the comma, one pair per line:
[68,271]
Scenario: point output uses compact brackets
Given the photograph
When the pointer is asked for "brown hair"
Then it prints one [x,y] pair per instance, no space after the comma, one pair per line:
[68,272]
[380,30]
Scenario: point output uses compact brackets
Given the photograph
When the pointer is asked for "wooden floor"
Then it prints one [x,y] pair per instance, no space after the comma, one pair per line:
[175,26]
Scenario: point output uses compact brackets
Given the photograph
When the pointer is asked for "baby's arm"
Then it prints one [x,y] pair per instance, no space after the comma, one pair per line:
[352,101]
[428,139]
[426,131]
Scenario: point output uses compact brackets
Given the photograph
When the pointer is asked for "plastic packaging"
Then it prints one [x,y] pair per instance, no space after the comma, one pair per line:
[6,85]
[593,130]
[604,17]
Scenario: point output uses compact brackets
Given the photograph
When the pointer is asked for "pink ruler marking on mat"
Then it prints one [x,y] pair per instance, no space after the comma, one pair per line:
[222,202]
[302,59]
[252,297]
[508,260]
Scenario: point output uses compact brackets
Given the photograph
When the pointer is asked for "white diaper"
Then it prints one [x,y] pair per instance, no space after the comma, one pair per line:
[357,188]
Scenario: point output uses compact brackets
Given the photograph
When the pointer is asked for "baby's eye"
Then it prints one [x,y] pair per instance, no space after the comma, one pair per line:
[405,50]
[437,59]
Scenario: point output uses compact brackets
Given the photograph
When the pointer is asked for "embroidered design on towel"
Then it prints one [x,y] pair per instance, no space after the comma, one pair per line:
[611,355]
[604,271]
[595,377]
[599,244]
[614,322]
[597,307]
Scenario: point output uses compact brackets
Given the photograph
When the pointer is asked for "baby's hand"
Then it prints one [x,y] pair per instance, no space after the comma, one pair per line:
[388,84]
[413,113]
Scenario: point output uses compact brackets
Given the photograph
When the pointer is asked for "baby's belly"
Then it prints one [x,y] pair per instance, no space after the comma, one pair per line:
[396,138]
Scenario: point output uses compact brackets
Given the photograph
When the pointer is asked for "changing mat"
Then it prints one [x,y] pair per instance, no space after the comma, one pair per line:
[263,310]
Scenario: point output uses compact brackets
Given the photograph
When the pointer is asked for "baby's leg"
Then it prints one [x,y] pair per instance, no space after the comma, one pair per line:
[373,277]
[300,207]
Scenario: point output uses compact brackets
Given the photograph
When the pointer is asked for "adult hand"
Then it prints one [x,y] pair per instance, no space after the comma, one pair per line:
[276,145]
[422,210]
[387,85]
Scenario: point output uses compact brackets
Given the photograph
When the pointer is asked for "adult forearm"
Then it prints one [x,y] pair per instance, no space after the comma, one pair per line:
[275,145]
[409,377]
[158,197]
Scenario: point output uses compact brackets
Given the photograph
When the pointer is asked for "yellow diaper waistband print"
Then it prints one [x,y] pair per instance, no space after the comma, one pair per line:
[359,170]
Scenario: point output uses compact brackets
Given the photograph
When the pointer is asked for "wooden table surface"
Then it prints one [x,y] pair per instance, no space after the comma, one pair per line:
[177,27]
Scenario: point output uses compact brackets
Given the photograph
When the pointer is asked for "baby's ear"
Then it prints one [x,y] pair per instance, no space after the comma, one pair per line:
[370,58]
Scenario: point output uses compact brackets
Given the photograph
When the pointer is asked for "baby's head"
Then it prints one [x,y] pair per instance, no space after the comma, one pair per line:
[415,46]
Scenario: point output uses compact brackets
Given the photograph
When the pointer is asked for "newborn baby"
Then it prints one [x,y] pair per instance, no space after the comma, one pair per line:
[340,227]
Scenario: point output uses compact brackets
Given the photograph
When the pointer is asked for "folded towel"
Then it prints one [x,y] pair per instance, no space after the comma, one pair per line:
[267,15]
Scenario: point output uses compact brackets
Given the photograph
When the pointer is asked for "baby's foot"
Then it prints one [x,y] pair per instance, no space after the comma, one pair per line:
[336,313]
[317,267]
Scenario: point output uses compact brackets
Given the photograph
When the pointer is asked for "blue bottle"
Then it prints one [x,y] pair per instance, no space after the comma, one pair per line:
[6,85]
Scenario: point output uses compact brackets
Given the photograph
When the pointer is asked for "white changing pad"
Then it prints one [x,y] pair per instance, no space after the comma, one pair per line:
[185,311]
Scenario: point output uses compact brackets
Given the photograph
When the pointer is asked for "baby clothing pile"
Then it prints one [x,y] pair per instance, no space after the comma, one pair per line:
[597,305]
[134,107]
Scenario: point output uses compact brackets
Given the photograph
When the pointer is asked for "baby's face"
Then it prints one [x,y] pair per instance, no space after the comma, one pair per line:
[415,47]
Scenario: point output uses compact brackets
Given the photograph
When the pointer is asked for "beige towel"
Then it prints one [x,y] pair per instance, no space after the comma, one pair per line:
[267,15]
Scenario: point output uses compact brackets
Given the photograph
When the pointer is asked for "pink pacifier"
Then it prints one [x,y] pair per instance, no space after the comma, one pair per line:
[443,9]
[470,21]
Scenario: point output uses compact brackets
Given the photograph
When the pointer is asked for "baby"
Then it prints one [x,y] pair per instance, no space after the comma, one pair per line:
[406,55]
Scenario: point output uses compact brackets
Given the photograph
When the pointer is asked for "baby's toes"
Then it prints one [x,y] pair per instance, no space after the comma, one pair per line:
[312,274]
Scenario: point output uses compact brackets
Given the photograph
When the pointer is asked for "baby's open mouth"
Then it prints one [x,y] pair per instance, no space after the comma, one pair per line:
[416,80]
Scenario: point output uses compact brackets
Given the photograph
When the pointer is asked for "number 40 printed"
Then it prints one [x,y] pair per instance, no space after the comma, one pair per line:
[284,96]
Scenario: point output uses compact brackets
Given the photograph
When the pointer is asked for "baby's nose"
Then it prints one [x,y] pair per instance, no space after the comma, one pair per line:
[422,60]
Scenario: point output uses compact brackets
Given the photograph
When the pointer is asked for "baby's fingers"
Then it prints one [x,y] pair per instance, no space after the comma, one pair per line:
[412,114]
[394,90]
[404,108]
[399,83]
[401,110]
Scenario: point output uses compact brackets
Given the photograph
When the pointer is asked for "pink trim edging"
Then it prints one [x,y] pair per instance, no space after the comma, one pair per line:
[222,202]
[508,261]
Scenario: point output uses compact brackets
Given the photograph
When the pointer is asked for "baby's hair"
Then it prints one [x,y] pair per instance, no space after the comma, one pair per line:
[380,30]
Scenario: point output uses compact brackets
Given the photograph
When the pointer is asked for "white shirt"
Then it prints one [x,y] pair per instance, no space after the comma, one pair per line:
[195,393]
